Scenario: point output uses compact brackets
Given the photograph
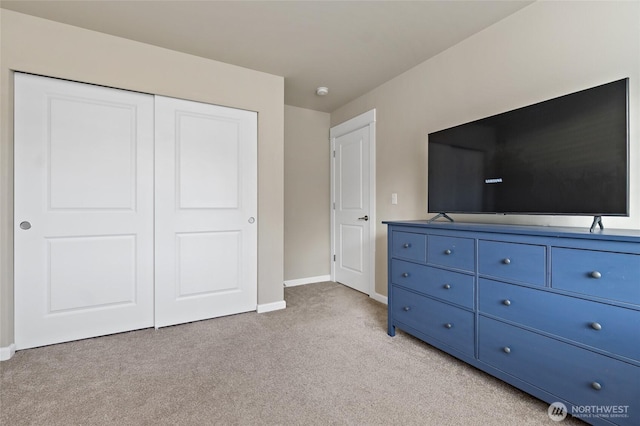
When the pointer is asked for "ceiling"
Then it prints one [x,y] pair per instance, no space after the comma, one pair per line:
[349,46]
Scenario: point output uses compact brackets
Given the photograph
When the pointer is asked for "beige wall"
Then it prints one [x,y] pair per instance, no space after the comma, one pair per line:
[48,48]
[545,50]
[306,193]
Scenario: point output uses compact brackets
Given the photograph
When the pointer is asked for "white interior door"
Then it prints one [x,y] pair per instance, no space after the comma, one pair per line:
[206,211]
[352,210]
[83,211]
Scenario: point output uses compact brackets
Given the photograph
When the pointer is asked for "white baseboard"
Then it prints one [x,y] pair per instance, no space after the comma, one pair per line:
[7,352]
[380,298]
[268,307]
[309,280]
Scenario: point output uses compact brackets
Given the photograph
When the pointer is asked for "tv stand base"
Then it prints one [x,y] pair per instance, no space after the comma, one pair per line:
[438,216]
[597,220]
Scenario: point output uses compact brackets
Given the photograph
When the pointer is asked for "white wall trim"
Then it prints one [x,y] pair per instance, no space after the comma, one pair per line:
[308,280]
[366,119]
[380,298]
[355,123]
[7,352]
[274,306]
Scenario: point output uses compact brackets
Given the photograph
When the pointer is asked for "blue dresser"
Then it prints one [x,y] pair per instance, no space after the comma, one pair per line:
[552,311]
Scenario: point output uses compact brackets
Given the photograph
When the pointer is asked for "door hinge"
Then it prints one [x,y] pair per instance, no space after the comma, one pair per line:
[334,153]
[334,257]
[334,206]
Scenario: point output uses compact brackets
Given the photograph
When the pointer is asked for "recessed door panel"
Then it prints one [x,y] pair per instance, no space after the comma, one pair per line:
[91,272]
[352,256]
[351,173]
[208,263]
[100,147]
[208,168]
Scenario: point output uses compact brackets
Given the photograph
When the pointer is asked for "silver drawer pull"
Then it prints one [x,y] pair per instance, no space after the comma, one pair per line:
[506,261]
[447,286]
[405,274]
[447,252]
[596,326]
[406,308]
[448,325]
[506,350]
[406,245]
[506,302]
[596,385]
[595,274]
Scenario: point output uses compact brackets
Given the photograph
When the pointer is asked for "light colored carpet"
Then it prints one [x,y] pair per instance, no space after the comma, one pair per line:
[325,360]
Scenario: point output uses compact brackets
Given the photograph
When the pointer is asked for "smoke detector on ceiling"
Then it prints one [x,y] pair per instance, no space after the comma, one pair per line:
[322,91]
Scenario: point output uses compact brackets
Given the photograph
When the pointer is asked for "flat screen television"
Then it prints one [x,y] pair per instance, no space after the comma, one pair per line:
[563,156]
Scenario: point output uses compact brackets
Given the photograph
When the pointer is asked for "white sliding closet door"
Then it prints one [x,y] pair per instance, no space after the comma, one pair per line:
[83,211]
[206,207]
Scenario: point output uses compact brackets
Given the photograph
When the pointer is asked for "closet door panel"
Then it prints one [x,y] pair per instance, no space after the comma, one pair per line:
[83,210]
[206,206]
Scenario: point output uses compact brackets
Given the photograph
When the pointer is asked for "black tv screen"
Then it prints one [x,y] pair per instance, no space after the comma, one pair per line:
[564,156]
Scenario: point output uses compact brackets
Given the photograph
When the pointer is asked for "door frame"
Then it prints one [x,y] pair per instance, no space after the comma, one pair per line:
[366,119]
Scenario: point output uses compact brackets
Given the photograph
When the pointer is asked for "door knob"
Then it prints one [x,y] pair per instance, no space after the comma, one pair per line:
[365,217]
[25,225]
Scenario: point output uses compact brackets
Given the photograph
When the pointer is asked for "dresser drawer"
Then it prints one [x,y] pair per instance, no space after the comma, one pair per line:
[446,285]
[606,327]
[609,275]
[559,368]
[513,261]
[450,325]
[409,246]
[453,252]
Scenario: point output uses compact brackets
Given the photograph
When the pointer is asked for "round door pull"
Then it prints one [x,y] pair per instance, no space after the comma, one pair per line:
[506,261]
[448,325]
[406,309]
[595,274]
[447,286]
[25,225]
[506,350]
[406,245]
[596,385]
[252,219]
[506,302]
[447,252]
[596,326]
[405,274]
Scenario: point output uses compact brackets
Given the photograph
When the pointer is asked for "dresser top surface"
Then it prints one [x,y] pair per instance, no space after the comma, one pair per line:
[627,235]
